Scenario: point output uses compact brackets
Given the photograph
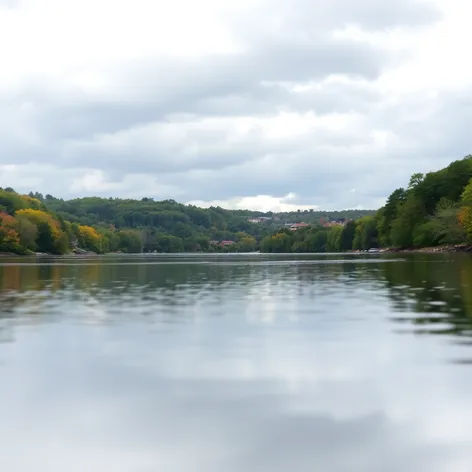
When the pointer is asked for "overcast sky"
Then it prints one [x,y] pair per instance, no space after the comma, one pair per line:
[265,104]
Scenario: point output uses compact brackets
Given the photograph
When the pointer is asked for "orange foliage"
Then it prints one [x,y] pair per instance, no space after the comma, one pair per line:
[464,217]
[9,238]
[7,220]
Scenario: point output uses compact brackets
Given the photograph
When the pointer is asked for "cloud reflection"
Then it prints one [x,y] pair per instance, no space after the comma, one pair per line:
[241,367]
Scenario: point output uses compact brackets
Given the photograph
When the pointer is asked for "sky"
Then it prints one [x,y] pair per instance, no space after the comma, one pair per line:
[261,104]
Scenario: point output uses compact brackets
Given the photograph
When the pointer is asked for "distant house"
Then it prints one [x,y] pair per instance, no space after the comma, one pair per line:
[297,226]
[222,243]
[337,222]
[259,219]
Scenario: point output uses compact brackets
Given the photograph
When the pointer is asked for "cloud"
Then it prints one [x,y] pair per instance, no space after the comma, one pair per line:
[231,103]
[259,202]
[9,3]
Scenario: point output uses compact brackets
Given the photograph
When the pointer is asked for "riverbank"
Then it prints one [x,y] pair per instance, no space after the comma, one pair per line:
[72,253]
[434,249]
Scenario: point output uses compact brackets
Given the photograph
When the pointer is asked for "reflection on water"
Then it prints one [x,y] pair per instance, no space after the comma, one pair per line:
[230,363]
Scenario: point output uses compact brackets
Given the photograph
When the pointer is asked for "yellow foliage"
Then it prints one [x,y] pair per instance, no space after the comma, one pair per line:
[39,216]
[467,194]
[90,239]
[30,201]
[89,232]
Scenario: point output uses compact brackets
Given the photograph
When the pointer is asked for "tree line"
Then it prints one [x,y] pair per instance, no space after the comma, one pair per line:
[360,234]
[434,209]
[27,226]
[43,223]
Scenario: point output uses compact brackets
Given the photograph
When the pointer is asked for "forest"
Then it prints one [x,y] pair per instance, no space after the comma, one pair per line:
[36,223]
[433,209]
[27,226]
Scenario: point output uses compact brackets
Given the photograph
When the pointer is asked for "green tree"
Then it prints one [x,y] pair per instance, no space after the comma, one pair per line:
[61,243]
[347,236]
[317,241]
[445,225]
[27,232]
[387,214]
[466,197]
[410,214]
[129,241]
[169,243]
[334,238]
[246,244]
[45,239]
[279,243]
[366,235]
[448,183]
[415,180]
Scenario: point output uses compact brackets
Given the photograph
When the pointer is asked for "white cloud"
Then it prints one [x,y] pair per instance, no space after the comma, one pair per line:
[259,203]
[208,102]
[92,181]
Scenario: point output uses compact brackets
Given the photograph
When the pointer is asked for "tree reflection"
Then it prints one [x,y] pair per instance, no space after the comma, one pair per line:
[432,293]
[428,293]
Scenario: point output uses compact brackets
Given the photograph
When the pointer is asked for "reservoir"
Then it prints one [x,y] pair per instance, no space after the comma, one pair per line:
[231,363]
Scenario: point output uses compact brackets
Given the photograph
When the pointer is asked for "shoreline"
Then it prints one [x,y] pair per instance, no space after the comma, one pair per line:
[44,254]
[429,250]
[458,248]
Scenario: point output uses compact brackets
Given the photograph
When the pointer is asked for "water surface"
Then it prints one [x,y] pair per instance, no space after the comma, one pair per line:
[233,363]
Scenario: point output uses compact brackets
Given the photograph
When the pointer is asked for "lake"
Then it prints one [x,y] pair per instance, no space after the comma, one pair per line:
[236,363]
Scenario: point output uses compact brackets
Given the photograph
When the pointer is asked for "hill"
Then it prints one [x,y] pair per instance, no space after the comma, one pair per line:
[114,224]
[434,209]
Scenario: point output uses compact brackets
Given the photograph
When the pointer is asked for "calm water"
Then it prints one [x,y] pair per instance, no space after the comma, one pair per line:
[236,364]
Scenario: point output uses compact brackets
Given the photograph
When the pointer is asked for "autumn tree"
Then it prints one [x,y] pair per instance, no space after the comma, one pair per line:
[27,231]
[49,237]
[89,239]
[9,237]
